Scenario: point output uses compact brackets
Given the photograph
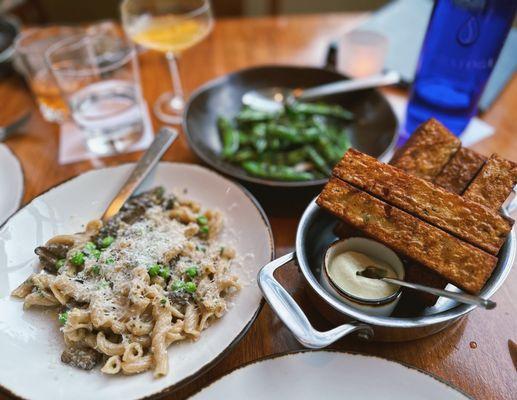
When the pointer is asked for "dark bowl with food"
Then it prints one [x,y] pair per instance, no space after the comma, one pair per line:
[371,129]
[9,29]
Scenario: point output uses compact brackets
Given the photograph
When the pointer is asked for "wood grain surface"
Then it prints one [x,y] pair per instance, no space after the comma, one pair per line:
[475,354]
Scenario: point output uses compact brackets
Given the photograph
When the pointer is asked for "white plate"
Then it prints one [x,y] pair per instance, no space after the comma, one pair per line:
[11,183]
[30,344]
[328,375]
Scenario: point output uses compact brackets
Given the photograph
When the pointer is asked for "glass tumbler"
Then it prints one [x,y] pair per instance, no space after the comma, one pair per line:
[31,45]
[98,75]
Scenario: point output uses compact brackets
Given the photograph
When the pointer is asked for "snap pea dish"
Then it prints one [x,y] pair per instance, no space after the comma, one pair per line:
[302,142]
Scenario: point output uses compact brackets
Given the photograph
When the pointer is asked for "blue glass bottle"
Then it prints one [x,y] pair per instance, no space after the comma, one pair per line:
[461,46]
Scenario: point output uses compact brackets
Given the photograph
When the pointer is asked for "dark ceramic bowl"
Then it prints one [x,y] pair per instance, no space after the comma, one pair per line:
[373,130]
[9,29]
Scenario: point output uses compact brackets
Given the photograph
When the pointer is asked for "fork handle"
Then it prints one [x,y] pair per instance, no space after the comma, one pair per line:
[160,144]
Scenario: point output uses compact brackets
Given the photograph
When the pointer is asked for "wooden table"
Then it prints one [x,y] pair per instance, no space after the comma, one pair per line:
[473,355]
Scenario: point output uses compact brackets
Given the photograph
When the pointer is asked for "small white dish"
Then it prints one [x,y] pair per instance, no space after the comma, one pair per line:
[328,375]
[30,341]
[373,249]
[11,182]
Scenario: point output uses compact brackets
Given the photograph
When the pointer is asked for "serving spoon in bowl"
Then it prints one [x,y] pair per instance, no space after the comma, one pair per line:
[272,99]
[372,272]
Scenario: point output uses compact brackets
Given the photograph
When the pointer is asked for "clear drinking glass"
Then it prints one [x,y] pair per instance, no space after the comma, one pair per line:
[98,75]
[31,45]
[168,26]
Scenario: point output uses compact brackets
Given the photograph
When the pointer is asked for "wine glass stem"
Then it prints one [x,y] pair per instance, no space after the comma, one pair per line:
[175,76]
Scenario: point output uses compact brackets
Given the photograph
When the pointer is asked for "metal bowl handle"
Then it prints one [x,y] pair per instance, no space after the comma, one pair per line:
[292,315]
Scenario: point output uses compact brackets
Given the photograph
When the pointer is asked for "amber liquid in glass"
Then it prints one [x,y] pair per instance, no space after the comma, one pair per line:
[48,95]
[169,33]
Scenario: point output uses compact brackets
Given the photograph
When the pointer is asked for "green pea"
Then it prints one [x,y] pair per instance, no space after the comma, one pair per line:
[154,270]
[192,272]
[107,241]
[77,259]
[165,272]
[96,254]
[178,285]
[190,287]
[60,263]
[89,247]
[202,220]
[63,317]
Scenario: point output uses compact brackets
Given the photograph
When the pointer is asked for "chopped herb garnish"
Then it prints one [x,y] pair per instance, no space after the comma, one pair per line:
[110,261]
[107,241]
[60,263]
[192,272]
[96,254]
[63,317]
[204,229]
[164,272]
[96,269]
[201,248]
[178,285]
[190,287]
[163,301]
[154,270]
[202,220]
[103,284]
[77,259]
[89,247]
[221,250]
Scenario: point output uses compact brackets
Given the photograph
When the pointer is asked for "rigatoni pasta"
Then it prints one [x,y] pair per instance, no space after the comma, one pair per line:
[152,275]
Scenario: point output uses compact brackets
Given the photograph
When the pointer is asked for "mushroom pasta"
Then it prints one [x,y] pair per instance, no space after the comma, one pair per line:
[152,275]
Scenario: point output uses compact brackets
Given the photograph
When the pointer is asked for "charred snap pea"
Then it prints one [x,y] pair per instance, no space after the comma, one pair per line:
[230,137]
[279,172]
[250,115]
[302,142]
[318,160]
[321,109]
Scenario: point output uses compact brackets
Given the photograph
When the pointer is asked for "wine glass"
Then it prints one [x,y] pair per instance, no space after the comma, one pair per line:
[168,26]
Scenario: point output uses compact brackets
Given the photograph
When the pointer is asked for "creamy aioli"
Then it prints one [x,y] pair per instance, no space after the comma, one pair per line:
[342,271]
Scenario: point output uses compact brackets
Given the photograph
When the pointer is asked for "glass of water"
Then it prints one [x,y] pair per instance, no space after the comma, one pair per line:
[98,76]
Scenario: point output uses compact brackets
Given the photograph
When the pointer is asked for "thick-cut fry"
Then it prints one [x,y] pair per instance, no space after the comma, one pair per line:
[465,219]
[494,183]
[460,170]
[427,151]
[461,263]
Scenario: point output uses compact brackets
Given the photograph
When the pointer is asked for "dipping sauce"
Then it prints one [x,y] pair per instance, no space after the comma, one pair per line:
[342,271]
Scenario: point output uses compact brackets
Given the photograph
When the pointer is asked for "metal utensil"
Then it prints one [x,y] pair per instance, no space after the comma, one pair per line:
[160,144]
[272,99]
[12,127]
[372,272]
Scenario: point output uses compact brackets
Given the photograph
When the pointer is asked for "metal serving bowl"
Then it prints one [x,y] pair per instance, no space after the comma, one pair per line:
[314,234]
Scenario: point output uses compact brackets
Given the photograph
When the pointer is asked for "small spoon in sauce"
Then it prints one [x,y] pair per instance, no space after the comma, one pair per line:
[372,272]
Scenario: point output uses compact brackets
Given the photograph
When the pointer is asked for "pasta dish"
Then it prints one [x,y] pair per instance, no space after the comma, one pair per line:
[154,274]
